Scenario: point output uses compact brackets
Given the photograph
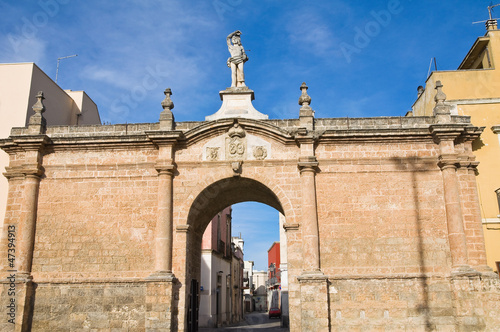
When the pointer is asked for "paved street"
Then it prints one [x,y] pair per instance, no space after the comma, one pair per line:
[253,322]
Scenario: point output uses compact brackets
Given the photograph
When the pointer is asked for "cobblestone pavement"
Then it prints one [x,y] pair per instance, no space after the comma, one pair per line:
[255,321]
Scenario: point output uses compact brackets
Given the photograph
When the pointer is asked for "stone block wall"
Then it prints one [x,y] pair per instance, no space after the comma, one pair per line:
[96,215]
[100,306]
[416,304]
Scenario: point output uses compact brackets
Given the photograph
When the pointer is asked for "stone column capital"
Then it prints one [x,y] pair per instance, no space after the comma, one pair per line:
[471,133]
[469,164]
[24,143]
[24,171]
[450,161]
[165,167]
[305,136]
[446,132]
[37,175]
[164,137]
[308,164]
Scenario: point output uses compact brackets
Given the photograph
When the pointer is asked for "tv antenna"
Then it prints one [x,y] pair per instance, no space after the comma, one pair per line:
[490,9]
[59,59]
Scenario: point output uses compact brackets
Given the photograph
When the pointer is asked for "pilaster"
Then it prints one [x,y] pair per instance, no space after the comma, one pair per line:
[165,139]
[308,166]
[30,172]
[26,168]
[446,134]
[19,273]
[309,225]
[166,168]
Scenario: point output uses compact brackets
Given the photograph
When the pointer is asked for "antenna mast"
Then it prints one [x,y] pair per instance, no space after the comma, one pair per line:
[59,59]
[490,8]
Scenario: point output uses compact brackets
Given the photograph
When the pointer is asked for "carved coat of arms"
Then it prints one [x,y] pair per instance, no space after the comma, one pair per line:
[236,144]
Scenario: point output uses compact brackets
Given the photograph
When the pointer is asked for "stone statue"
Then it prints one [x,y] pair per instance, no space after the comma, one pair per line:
[237,59]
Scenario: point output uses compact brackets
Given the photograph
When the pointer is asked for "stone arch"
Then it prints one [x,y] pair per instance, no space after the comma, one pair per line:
[207,190]
[225,192]
[208,198]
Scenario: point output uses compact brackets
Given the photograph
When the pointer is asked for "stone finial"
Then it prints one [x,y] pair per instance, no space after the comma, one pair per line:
[37,123]
[38,107]
[440,96]
[442,111]
[306,114]
[166,116]
[167,103]
[305,99]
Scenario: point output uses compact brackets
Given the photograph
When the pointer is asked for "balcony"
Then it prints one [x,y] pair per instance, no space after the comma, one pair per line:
[272,282]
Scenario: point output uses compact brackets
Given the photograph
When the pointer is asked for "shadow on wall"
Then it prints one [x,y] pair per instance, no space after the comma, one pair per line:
[174,312]
[416,165]
[477,144]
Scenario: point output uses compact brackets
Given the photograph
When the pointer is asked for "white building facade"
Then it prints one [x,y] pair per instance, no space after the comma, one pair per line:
[19,85]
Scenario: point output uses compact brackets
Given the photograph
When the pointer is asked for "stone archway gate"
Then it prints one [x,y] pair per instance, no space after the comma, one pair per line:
[383,223]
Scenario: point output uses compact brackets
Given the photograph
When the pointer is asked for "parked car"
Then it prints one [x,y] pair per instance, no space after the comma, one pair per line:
[274,312]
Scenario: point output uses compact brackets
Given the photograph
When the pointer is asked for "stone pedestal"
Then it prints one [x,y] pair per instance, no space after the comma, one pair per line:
[237,103]
[314,303]
[16,295]
[162,299]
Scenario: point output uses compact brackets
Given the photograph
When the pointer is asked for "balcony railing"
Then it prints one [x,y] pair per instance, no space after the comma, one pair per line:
[272,282]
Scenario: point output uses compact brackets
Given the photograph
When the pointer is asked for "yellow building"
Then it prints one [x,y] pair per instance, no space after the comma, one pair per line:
[474,90]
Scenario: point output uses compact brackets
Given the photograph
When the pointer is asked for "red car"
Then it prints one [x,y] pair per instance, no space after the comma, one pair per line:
[274,312]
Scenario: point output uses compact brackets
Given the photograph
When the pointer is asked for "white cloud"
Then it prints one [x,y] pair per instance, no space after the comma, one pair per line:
[18,48]
[312,30]
[106,75]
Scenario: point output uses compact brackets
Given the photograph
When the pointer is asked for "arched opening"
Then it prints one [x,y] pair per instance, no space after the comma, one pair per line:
[226,192]
[212,207]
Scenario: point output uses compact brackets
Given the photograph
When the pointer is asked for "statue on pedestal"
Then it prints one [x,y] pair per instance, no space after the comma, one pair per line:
[237,59]
[237,99]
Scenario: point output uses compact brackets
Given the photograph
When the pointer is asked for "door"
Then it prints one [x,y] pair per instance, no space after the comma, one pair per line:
[193,306]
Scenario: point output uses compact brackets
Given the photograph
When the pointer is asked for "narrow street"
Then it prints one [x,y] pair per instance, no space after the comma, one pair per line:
[253,322]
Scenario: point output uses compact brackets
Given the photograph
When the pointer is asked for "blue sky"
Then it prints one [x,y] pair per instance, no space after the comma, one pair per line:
[259,228]
[130,51]
[359,58]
